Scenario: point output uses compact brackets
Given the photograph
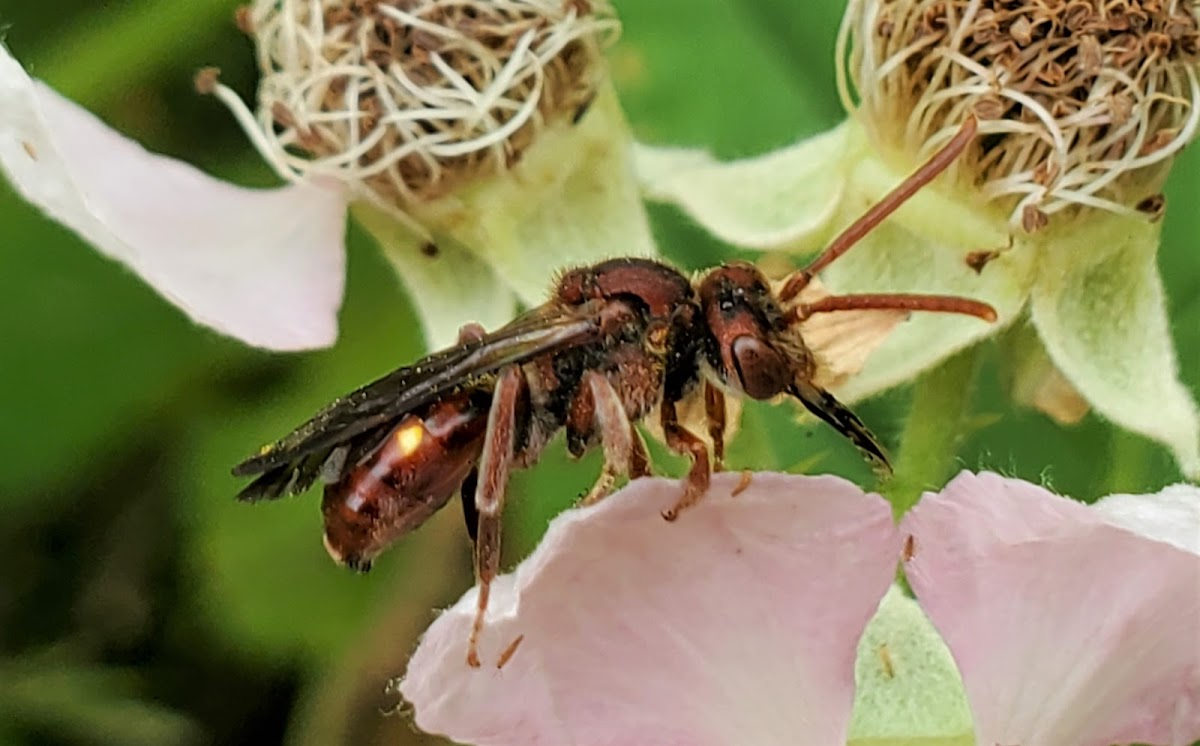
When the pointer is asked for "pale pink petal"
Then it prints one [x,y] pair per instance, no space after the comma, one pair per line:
[1067,629]
[265,266]
[737,624]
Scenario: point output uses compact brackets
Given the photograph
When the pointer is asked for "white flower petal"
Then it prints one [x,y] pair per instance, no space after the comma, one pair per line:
[783,199]
[449,285]
[1066,628]
[571,201]
[736,624]
[1098,306]
[264,266]
[1171,516]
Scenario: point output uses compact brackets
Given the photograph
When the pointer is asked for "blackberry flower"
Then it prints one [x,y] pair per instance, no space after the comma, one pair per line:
[1053,215]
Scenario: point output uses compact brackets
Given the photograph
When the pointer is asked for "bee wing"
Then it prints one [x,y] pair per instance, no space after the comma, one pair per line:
[352,425]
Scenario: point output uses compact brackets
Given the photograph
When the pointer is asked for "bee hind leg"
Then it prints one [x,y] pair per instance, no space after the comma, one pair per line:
[494,466]
[714,412]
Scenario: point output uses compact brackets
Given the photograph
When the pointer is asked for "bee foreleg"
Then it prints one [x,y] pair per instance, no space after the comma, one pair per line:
[714,411]
[682,440]
[624,452]
[494,466]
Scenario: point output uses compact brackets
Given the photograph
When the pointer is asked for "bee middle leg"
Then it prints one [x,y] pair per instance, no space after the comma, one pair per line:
[682,440]
[495,464]
[714,411]
[624,452]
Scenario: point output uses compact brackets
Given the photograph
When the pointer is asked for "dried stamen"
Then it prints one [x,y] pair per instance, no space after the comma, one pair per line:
[405,100]
[1082,103]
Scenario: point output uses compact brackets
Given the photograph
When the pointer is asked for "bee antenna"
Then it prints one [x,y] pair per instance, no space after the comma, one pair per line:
[928,171]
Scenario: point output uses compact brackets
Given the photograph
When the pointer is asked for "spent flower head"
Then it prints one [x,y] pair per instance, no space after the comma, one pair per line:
[1082,106]
[1081,103]
[407,100]
[479,142]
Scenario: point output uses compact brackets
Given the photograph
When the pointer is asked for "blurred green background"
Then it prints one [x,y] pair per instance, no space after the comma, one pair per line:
[139,604]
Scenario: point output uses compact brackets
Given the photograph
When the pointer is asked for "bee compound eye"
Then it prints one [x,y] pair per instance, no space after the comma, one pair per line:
[762,370]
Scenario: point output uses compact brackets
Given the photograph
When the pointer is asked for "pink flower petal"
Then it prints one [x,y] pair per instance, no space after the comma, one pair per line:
[1067,629]
[737,624]
[265,266]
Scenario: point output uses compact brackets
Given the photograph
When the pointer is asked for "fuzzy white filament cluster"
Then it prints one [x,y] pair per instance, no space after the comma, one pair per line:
[405,100]
[1082,103]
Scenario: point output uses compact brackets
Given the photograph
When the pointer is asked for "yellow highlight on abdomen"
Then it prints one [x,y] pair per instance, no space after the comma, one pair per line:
[409,438]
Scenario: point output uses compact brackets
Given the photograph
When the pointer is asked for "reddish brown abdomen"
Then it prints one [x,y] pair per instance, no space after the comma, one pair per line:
[413,473]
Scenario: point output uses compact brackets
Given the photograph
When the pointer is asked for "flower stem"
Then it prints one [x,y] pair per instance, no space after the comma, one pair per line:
[1129,457]
[936,421]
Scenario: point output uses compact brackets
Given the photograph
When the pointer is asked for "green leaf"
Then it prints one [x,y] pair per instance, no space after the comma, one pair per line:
[104,53]
[721,85]
[264,581]
[92,353]
[87,705]
[1099,308]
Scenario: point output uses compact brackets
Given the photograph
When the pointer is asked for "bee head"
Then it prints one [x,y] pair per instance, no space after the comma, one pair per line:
[745,323]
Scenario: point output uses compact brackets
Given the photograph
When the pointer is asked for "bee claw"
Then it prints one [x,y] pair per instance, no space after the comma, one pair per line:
[743,483]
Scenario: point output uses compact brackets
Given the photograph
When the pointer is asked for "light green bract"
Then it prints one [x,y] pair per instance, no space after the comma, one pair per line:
[571,201]
[1056,219]
[908,690]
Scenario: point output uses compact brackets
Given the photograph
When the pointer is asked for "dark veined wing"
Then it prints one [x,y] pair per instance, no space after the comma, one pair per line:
[352,425]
